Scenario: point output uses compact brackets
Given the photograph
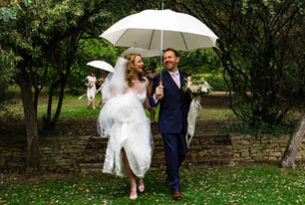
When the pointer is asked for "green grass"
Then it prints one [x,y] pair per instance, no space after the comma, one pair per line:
[74,108]
[246,184]
[216,114]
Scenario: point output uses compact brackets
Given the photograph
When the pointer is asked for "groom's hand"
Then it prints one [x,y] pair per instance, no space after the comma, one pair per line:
[159,92]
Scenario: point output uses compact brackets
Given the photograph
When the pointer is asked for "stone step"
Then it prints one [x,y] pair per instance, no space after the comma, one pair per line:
[210,147]
[208,151]
[95,141]
[91,167]
[87,170]
[205,151]
[95,165]
[97,157]
[202,163]
[159,144]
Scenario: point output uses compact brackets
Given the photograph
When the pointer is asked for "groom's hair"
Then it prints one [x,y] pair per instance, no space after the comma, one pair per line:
[173,50]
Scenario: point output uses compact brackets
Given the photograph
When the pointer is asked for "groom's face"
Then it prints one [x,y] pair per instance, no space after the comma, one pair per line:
[171,61]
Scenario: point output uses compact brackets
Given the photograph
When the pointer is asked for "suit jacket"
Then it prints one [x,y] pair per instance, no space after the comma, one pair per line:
[174,106]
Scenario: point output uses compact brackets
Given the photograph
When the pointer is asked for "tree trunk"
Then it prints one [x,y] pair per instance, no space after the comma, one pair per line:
[36,96]
[47,119]
[60,101]
[33,149]
[3,89]
[48,123]
[288,160]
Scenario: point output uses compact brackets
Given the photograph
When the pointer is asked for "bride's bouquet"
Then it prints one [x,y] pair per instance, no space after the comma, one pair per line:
[90,84]
[196,86]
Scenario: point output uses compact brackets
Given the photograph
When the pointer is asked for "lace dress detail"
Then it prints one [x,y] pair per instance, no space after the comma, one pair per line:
[123,119]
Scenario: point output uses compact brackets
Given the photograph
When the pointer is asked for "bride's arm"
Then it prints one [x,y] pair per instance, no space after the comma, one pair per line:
[148,87]
[148,93]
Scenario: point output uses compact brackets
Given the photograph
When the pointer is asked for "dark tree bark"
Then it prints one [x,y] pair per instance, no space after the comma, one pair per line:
[3,89]
[33,150]
[50,123]
[64,68]
[288,160]
[60,101]
[47,119]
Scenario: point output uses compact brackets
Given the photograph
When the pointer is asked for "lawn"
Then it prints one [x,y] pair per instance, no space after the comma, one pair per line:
[245,184]
[76,119]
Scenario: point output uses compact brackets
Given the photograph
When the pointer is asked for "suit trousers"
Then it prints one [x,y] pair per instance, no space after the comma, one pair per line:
[175,149]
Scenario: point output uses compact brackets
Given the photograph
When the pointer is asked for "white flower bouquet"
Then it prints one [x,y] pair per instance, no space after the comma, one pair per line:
[196,86]
[90,85]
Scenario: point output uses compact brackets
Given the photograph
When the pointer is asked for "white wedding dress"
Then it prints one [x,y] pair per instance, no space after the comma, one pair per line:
[123,119]
[91,88]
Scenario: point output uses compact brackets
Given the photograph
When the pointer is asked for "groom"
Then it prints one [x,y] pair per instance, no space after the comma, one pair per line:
[174,107]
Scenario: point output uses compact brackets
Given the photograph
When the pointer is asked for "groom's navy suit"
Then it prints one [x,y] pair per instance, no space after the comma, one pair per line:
[174,108]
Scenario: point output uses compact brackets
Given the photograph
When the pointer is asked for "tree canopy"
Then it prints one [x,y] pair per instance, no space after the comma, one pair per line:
[261,49]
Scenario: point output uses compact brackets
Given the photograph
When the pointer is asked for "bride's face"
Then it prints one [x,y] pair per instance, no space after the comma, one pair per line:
[138,64]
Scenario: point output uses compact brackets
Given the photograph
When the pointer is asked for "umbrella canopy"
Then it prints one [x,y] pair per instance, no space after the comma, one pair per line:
[144,30]
[144,52]
[101,65]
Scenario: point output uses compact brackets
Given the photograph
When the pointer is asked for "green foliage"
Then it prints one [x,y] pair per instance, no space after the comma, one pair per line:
[11,117]
[89,50]
[274,130]
[204,61]
[200,61]
[245,184]
[261,47]
[7,14]
[216,81]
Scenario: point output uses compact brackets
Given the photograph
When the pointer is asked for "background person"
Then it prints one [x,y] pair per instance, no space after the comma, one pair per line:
[91,90]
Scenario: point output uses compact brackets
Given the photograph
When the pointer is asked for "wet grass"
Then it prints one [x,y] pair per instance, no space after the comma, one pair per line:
[245,184]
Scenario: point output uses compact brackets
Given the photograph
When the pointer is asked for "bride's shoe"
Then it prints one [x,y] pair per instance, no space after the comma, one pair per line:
[141,186]
[133,195]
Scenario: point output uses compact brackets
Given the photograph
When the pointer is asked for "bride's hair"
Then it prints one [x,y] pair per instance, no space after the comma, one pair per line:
[131,71]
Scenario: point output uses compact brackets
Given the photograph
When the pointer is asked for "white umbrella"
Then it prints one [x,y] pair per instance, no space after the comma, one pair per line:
[144,30]
[158,29]
[101,65]
[144,52]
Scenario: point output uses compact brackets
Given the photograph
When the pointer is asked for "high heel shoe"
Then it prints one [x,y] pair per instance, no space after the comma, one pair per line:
[134,195]
[141,186]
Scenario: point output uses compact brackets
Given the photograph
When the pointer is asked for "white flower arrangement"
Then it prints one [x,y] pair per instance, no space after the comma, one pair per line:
[196,85]
[90,85]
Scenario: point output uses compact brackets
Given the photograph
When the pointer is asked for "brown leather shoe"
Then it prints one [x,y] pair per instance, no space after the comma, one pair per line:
[177,195]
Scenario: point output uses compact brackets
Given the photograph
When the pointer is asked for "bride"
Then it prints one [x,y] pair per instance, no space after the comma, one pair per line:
[123,119]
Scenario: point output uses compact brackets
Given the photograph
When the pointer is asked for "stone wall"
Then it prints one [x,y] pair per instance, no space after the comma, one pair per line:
[262,148]
[87,153]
